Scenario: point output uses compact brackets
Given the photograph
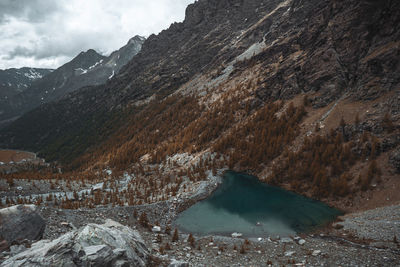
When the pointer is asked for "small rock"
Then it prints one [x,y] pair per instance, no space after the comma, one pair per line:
[316,252]
[236,235]
[286,240]
[176,263]
[156,229]
[289,253]
[302,242]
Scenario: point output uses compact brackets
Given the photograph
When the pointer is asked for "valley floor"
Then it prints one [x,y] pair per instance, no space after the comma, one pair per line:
[360,239]
[367,238]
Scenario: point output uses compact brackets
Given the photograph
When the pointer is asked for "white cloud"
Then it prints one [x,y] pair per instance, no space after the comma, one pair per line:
[44,34]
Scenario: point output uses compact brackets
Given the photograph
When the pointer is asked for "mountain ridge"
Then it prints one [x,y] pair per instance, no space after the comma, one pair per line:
[17,80]
[87,68]
[261,84]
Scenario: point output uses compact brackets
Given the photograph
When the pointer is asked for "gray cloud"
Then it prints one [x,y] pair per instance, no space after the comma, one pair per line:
[30,10]
[19,51]
[48,33]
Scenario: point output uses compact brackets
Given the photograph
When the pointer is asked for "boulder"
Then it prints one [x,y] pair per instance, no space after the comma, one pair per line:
[21,222]
[110,244]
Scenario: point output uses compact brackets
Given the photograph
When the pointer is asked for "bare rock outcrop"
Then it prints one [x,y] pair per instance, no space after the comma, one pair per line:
[110,244]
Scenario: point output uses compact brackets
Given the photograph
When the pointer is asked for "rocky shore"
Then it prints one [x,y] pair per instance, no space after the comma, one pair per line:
[360,239]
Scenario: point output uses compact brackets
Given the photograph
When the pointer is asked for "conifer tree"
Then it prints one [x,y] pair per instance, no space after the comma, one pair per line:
[175,236]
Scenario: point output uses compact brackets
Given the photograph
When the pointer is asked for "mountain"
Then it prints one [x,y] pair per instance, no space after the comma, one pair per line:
[87,68]
[304,94]
[15,81]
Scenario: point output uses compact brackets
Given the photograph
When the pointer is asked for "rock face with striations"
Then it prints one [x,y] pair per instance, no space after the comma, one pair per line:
[21,222]
[110,244]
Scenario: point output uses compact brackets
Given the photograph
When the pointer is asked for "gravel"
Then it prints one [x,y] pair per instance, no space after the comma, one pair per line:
[381,224]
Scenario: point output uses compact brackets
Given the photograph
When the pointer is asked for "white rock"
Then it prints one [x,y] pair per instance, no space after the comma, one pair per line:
[302,242]
[316,252]
[156,229]
[289,253]
[236,235]
[176,263]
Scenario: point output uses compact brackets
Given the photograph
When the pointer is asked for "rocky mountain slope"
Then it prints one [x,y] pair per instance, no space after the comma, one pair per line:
[305,94]
[15,81]
[87,68]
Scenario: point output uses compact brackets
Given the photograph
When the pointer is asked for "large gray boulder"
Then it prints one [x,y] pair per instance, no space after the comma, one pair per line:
[110,244]
[19,223]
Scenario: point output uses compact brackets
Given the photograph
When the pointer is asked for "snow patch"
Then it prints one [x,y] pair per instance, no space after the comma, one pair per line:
[33,75]
[96,64]
[81,71]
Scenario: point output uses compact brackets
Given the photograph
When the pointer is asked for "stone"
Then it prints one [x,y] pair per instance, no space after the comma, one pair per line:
[302,242]
[156,229]
[286,240]
[236,235]
[21,222]
[316,252]
[176,263]
[289,253]
[110,244]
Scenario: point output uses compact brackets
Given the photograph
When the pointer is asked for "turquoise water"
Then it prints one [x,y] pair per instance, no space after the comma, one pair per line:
[244,204]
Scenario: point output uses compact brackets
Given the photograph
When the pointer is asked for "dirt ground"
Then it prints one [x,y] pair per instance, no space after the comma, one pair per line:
[15,155]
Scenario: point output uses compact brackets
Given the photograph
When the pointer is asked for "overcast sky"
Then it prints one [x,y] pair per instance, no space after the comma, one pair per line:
[49,33]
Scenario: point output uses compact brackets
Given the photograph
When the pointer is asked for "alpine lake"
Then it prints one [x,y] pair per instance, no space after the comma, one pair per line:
[242,204]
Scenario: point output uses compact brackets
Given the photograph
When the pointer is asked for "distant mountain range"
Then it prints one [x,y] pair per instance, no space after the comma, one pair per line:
[14,81]
[86,69]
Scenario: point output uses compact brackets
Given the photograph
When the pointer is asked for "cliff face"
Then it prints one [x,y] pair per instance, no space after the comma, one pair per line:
[334,47]
[261,51]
